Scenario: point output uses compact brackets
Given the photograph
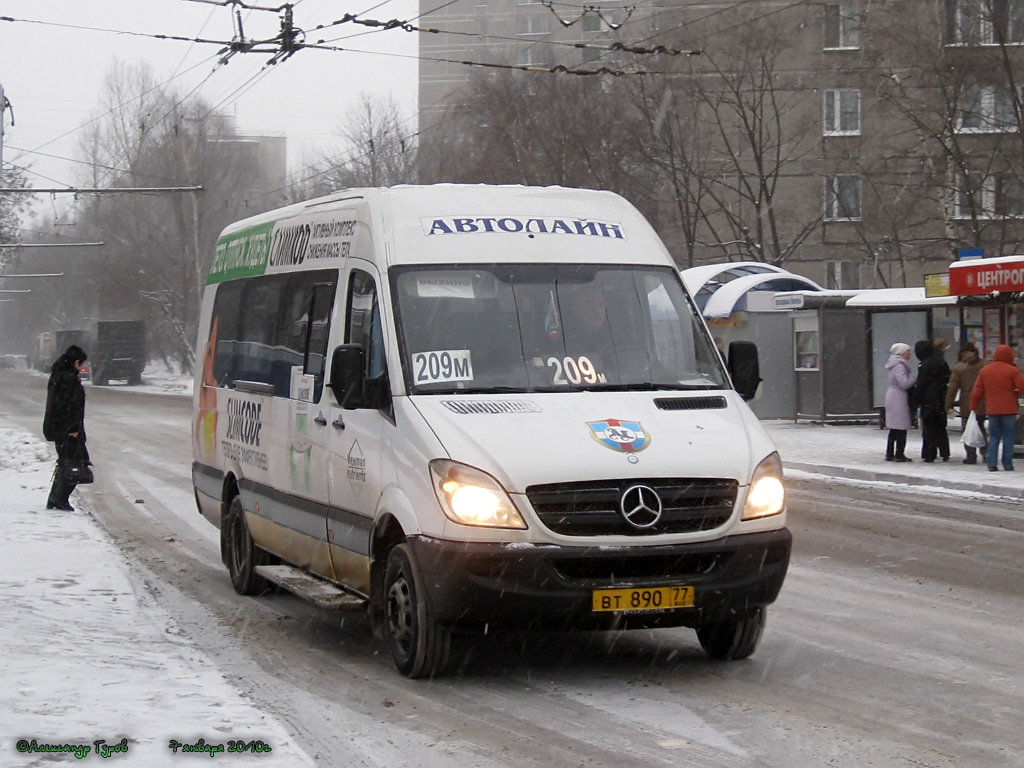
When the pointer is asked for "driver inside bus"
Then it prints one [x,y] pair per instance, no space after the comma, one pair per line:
[586,324]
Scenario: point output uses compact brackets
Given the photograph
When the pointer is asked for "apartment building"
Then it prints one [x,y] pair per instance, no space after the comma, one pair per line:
[862,143]
[521,33]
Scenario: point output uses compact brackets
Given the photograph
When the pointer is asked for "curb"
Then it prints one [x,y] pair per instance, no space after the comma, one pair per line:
[852,473]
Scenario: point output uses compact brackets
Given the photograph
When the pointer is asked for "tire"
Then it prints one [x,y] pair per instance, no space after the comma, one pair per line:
[733,639]
[419,645]
[243,555]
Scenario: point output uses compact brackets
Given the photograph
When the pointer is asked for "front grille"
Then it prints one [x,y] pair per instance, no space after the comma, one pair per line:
[592,508]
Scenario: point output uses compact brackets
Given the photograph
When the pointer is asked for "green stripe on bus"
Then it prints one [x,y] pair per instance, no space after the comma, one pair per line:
[241,254]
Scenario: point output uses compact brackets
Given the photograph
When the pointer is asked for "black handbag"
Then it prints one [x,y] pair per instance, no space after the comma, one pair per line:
[75,467]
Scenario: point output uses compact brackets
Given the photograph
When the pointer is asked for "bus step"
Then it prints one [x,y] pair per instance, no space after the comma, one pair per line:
[312,588]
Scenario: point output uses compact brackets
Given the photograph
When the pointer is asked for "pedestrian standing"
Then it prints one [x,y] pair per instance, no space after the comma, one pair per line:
[64,420]
[932,381]
[897,402]
[958,393]
[1000,383]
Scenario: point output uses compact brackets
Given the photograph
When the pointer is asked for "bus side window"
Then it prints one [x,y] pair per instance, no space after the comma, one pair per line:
[256,338]
[227,308]
[317,335]
[363,326]
[302,329]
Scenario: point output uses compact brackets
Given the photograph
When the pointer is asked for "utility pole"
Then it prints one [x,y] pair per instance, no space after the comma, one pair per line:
[3,109]
[4,106]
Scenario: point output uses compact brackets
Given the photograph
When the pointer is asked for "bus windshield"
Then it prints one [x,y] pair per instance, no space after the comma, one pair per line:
[550,327]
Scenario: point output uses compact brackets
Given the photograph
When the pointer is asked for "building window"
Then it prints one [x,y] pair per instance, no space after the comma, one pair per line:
[1009,195]
[536,55]
[983,196]
[842,275]
[985,22]
[974,196]
[1015,22]
[533,25]
[592,22]
[986,109]
[972,22]
[842,111]
[842,197]
[842,24]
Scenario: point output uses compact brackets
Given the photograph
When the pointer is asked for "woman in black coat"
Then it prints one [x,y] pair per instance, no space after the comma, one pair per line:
[64,420]
[932,380]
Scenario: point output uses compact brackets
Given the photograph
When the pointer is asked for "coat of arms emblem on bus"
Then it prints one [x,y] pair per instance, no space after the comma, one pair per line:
[619,435]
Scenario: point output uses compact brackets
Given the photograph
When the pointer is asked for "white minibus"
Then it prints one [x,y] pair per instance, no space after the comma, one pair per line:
[466,407]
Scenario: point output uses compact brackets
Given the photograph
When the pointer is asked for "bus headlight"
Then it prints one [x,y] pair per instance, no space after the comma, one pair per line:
[767,494]
[469,496]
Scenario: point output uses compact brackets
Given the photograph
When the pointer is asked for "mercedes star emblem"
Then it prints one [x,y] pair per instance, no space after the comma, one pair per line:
[640,506]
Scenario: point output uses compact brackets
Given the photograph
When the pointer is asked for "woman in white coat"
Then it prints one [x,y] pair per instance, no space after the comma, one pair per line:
[897,401]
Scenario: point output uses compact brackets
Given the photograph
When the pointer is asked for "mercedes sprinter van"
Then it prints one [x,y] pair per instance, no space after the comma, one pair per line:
[466,407]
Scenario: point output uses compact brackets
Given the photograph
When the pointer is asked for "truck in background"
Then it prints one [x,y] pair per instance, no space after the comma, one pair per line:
[44,351]
[117,350]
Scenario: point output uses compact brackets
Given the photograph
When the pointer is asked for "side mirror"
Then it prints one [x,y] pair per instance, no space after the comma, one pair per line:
[744,368]
[347,375]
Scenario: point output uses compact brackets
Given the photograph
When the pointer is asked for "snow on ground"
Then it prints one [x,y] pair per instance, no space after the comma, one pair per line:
[87,655]
[157,378]
[856,453]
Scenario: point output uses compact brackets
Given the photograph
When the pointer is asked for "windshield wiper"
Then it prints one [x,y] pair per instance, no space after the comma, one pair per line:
[645,387]
[634,387]
[479,391]
[691,387]
[496,390]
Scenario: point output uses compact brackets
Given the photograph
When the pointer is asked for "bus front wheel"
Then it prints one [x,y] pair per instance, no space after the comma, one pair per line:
[419,645]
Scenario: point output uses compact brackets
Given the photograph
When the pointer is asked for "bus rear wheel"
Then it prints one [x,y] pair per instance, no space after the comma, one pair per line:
[243,555]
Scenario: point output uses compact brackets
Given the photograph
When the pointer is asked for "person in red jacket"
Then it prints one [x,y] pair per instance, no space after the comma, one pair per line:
[1000,382]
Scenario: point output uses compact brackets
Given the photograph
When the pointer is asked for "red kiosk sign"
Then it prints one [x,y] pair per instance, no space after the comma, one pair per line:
[983,276]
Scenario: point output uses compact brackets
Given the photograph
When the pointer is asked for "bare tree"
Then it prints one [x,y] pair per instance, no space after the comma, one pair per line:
[542,129]
[753,117]
[157,247]
[952,71]
[672,141]
[380,151]
[12,205]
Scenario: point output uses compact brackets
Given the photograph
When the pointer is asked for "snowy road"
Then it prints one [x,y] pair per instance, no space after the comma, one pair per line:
[897,641]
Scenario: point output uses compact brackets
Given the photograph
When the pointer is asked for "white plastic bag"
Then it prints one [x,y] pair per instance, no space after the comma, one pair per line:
[973,436]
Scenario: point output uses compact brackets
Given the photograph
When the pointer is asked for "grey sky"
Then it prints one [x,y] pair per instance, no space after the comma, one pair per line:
[52,73]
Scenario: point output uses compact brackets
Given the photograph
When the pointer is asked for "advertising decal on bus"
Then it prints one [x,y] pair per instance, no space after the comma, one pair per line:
[276,246]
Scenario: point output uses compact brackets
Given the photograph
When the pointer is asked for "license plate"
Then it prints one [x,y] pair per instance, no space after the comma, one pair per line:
[642,599]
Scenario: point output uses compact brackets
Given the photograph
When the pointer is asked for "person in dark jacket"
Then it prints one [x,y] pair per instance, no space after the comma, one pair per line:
[64,420]
[958,393]
[932,381]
